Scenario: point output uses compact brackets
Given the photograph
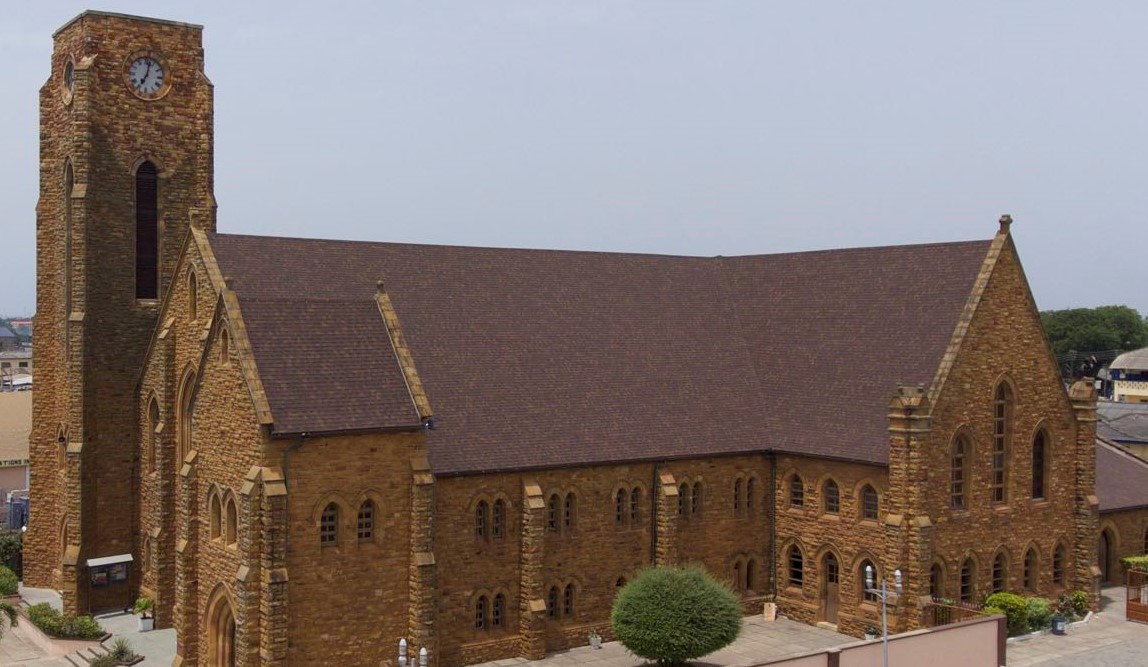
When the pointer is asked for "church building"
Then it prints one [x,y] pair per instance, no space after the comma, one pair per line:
[305,450]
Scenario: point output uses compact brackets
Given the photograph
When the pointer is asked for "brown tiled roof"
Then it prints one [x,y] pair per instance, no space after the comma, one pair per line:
[536,358]
[1121,478]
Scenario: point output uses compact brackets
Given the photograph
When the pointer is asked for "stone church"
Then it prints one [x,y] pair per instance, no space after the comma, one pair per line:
[305,450]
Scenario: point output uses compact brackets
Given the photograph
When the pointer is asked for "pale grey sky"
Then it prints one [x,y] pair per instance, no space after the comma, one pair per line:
[702,127]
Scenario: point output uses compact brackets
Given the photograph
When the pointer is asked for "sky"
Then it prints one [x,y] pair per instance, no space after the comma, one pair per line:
[656,126]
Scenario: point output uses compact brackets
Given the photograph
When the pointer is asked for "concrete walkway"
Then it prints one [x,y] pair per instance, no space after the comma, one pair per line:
[1107,639]
[157,647]
[759,641]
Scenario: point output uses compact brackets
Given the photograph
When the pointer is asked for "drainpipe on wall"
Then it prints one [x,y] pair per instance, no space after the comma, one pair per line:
[286,484]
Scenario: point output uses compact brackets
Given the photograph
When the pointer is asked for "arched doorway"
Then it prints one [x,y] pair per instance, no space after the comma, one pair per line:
[830,576]
[1104,556]
[220,632]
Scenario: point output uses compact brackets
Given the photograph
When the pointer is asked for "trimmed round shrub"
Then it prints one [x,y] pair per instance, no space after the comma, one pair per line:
[1039,613]
[1015,609]
[9,584]
[672,615]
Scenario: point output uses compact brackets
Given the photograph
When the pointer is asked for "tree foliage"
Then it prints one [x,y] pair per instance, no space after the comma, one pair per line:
[673,615]
[1095,329]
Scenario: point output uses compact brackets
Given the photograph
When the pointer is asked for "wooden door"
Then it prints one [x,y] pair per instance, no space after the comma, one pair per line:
[829,588]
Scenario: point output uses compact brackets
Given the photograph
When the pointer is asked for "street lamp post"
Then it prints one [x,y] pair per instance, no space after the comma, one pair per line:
[883,594]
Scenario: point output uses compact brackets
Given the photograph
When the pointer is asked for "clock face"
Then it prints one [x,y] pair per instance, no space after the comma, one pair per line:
[146,76]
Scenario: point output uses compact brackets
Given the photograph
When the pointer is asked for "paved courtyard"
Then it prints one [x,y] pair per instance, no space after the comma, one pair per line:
[1107,640]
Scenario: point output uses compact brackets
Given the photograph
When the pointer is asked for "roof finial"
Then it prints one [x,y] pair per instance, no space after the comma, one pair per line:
[379,287]
[1006,220]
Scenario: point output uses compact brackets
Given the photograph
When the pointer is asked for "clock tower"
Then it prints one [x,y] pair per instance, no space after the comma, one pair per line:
[125,170]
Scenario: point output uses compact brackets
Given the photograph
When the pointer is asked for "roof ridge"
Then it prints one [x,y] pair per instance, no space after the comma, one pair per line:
[1122,451]
[616,253]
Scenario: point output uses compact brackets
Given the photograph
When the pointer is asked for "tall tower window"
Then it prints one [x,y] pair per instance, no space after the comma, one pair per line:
[147,232]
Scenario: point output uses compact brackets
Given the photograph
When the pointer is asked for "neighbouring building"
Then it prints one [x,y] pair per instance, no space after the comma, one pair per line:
[1128,374]
[9,341]
[307,449]
[15,428]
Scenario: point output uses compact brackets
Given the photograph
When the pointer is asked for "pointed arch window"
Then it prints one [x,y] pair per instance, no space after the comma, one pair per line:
[1059,556]
[750,494]
[832,498]
[1039,464]
[147,231]
[696,499]
[1031,568]
[1000,573]
[635,505]
[231,525]
[568,509]
[968,580]
[192,296]
[480,511]
[151,439]
[870,503]
[936,581]
[751,575]
[224,346]
[959,471]
[568,600]
[683,499]
[366,521]
[796,492]
[183,421]
[498,612]
[498,519]
[620,507]
[552,602]
[480,613]
[216,512]
[552,513]
[329,525]
[1002,427]
[868,594]
[796,566]
[737,495]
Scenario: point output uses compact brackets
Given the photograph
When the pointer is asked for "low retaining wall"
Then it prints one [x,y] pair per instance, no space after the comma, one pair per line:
[51,646]
[979,642]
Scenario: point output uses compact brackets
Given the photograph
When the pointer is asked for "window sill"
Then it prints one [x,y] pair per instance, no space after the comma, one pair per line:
[795,511]
[1003,508]
[831,517]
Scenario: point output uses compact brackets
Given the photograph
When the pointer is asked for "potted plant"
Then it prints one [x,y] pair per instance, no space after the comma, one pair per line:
[143,608]
[870,633]
[595,639]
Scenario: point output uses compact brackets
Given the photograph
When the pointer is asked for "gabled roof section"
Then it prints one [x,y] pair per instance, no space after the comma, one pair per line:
[833,333]
[538,358]
[1121,478]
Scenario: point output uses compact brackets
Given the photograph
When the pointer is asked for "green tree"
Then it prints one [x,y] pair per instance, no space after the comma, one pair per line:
[1095,329]
[672,615]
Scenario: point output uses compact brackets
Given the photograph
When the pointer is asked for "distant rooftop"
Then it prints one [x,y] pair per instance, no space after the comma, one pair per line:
[1136,360]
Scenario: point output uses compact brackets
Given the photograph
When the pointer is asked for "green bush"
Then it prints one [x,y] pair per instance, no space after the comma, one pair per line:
[1135,562]
[54,623]
[1073,606]
[673,615]
[9,583]
[103,661]
[11,548]
[1014,608]
[1039,613]
[122,650]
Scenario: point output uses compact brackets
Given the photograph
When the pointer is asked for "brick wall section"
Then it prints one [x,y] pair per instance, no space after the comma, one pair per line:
[817,533]
[348,603]
[1128,534]
[531,558]
[1003,341]
[105,131]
